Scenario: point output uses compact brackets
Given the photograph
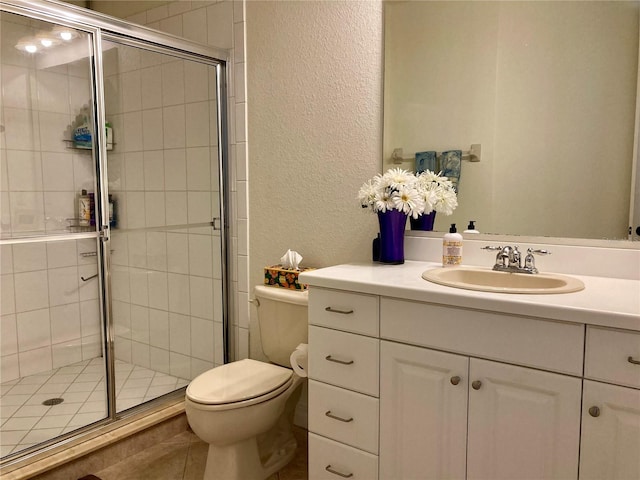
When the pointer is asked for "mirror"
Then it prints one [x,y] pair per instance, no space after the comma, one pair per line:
[548,89]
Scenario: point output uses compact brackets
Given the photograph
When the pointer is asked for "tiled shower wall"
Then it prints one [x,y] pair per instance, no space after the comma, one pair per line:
[222,24]
[48,325]
[48,316]
[166,283]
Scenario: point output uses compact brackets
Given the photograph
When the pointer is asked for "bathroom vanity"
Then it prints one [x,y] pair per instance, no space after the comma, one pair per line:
[409,379]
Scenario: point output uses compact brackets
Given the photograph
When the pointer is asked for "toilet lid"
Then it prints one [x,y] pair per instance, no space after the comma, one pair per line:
[237,381]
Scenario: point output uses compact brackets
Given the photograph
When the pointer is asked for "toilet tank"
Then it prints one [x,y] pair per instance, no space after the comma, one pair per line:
[282,316]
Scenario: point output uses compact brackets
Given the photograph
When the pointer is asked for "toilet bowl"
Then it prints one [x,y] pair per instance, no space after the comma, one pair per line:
[244,410]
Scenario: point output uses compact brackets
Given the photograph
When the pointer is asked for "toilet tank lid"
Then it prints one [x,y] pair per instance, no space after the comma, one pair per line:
[297,297]
[236,382]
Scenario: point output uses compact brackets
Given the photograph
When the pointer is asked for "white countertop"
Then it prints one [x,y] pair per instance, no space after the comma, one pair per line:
[609,302]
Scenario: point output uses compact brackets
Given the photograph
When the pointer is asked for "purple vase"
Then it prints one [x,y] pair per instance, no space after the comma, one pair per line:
[392,223]
[423,222]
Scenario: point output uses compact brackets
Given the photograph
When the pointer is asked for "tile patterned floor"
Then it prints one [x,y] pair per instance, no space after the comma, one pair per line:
[25,421]
[184,456]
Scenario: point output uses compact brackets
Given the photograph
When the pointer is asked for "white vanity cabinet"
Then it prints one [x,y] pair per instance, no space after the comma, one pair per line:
[610,432]
[523,423]
[423,413]
[611,411]
[432,391]
[344,352]
[519,423]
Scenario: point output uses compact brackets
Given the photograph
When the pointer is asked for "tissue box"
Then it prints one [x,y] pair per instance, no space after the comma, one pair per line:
[284,277]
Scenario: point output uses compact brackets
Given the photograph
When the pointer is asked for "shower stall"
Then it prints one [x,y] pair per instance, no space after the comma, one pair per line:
[113,224]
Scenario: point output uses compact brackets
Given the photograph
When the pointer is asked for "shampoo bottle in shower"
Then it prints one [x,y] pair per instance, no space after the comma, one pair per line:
[84,209]
[113,212]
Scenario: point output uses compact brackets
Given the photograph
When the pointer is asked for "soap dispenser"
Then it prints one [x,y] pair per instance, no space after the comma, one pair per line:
[471,228]
[452,248]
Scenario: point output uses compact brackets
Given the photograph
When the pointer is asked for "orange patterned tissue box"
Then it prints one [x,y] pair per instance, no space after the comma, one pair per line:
[284,277]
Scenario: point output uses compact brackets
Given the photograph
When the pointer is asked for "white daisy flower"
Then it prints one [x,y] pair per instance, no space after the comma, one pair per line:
[383,202]
[401,190]
[408,201]
[367,194]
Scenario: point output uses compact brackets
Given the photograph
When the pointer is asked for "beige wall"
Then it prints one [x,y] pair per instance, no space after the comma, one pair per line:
[315,125]
[547,88]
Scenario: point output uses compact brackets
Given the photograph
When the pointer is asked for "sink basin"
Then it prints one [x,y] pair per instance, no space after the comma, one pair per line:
[502,282]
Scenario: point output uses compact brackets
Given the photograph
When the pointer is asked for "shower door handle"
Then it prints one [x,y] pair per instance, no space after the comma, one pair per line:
[103,234]
[216,224]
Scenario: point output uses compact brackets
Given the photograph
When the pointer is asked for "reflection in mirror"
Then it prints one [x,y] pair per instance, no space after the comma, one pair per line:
[549,91]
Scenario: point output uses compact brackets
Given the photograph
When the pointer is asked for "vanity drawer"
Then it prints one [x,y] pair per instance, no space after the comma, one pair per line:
[327,457]
[351,312]
[344,359]
[527,341]
[613,356]
[342,415]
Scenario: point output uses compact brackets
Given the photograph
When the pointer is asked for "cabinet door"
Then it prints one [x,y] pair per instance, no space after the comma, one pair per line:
[423,413]
[610,434]
[523,423]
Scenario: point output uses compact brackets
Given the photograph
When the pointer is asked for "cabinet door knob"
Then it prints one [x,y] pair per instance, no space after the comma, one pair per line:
[336,417]
[335,360]
[455,380]
[476,385]
[336,472]
[594,411]
[633,360]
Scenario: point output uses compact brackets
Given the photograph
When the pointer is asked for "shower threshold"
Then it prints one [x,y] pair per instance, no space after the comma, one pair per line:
[39,407]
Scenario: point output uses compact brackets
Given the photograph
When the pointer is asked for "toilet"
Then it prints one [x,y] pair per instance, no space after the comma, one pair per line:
[244,410]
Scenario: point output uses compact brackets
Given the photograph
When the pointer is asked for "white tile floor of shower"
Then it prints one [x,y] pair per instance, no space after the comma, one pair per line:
[26,421]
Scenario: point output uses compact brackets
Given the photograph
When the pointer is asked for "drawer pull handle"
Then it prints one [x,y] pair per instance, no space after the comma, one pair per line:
[335,472]
[331,359]
[476,385]
[633,360]
[455,380]
[594,411]
[335,417]
[335,310]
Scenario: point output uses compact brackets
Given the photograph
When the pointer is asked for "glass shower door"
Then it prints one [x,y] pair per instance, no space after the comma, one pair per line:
[52,368]
[163,177]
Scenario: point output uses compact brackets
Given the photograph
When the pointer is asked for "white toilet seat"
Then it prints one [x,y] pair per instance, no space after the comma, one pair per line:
[238,384]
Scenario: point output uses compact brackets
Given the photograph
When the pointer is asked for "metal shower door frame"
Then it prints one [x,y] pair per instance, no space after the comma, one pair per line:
[100,27]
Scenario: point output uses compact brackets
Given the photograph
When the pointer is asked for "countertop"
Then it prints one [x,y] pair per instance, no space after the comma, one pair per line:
[608,302]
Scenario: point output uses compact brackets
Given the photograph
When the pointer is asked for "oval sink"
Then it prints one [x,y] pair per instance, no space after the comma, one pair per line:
[503,282]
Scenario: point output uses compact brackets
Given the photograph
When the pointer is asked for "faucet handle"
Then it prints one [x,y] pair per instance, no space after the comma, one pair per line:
[529,260]
[538,252]
[491,247]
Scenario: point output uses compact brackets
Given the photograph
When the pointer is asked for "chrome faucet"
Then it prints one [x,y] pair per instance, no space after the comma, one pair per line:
[503,258]
[509,259]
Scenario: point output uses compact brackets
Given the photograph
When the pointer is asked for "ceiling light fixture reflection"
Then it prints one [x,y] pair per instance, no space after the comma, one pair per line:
[46,40]
[64,33]
[27,44]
